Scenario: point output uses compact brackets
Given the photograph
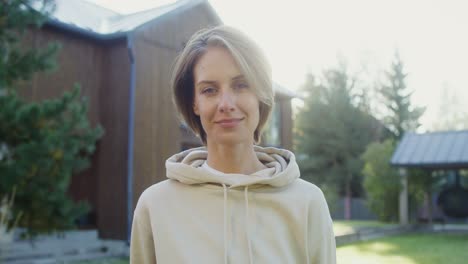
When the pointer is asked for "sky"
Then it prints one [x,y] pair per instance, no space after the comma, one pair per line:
[300,36]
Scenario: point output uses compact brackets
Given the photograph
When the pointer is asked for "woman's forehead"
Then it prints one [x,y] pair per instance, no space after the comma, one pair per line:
[215,63]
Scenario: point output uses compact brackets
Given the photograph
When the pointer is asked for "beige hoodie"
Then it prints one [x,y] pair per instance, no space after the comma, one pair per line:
[201,215]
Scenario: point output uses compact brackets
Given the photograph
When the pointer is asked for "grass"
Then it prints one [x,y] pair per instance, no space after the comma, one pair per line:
[404,249]
[343,227]
[408,249]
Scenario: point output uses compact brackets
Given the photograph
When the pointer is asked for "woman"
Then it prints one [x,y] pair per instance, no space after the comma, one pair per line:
[230,201]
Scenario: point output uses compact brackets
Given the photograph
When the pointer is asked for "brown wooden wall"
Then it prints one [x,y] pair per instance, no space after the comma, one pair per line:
[102,70]
[78,61]
[157,132]
[113,148]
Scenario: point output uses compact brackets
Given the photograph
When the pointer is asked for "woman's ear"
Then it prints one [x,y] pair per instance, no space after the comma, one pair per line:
[195,109]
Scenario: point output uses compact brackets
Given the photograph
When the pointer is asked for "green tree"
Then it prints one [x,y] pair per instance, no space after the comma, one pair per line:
[42,144]
[332,133]
[383,186]
[452,113]
[420,188]
[381,181]
[401,114]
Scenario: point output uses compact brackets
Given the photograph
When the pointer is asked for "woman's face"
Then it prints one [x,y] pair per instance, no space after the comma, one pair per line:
[227,107]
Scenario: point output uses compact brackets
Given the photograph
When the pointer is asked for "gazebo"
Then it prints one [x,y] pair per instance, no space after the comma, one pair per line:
[431,151]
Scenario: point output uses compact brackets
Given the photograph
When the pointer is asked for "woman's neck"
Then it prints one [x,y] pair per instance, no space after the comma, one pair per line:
[238,158]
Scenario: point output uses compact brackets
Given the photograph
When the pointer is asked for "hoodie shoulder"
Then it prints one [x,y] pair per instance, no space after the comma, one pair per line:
[310,190]
[158,190]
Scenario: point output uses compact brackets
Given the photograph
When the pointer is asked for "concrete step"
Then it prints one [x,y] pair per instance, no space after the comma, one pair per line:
[73,245]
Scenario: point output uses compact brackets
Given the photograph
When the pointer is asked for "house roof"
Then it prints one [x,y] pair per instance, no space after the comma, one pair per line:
[98,22]
[101,23]
[437,150]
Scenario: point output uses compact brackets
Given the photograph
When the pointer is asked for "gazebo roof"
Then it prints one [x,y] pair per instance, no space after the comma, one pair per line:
[437,150]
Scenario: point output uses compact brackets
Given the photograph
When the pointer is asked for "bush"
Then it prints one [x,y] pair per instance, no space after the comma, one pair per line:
[381,181]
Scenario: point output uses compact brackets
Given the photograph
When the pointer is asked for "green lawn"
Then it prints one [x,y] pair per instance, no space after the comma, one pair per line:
[343,227]
[408,249]
[404,249]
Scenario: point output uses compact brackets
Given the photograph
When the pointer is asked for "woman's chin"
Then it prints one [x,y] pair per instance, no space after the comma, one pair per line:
[231,139]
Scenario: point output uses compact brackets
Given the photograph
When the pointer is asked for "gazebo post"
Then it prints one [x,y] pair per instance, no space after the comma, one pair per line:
[403,196]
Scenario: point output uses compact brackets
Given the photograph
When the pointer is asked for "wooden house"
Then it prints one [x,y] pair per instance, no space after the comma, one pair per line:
[123,64]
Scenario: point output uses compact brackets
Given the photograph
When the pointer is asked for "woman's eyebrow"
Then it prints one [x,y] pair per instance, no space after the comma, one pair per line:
[205,82]
[238,77]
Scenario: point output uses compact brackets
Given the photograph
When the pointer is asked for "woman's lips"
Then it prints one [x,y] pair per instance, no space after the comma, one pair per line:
[229,123]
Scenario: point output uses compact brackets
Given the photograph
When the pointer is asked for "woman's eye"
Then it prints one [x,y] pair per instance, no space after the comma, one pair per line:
[242,85]
[208,90]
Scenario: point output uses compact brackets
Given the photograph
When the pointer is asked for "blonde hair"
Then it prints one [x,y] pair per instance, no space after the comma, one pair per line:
[250,59]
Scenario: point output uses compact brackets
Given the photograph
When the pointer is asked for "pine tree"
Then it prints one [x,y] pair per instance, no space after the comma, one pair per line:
[402,115]
[452,113]
[332,133]
[42,144]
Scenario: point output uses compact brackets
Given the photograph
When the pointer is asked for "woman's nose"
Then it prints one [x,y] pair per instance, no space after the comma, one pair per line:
[226,102]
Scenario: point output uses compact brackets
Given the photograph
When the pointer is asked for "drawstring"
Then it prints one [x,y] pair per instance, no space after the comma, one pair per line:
[307,238]
[246,196]
[225,225]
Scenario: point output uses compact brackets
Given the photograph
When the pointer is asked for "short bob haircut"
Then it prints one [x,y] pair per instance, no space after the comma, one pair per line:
[250,59]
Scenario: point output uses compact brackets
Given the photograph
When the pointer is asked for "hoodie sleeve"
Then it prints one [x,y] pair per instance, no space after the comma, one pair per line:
[321,239]
[142,250]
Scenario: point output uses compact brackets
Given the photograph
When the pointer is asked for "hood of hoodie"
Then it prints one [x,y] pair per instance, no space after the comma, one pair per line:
[187,167]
